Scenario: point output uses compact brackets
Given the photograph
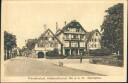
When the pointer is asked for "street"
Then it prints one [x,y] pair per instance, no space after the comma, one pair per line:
[25,66]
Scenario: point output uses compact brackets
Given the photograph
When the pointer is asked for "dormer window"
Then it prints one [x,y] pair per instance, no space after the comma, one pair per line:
[77,30]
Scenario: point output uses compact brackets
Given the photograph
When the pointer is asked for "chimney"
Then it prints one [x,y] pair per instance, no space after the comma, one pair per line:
[65,22]
[56,26]
[45,26]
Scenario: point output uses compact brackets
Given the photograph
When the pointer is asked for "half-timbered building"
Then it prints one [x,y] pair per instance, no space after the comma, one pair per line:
[73,37]
[47,42]
[93,40]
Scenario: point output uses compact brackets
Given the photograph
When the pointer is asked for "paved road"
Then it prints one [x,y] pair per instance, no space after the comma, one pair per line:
[23,66]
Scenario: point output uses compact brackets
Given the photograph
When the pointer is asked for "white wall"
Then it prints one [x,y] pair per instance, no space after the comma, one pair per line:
[91,44]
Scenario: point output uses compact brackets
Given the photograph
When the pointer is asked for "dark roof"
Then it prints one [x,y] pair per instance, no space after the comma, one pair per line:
[90,34]
[71,25]
[52,34]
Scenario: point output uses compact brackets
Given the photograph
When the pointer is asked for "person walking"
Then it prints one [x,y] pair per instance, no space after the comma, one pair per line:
[81,58]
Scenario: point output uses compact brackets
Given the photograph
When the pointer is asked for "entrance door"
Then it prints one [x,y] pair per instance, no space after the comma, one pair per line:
[67,52]
[40,55]
[74,52]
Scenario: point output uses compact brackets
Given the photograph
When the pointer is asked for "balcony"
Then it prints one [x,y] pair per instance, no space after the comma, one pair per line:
[74,45]
[75,39]
[68,32]
[67,38]
[71,39]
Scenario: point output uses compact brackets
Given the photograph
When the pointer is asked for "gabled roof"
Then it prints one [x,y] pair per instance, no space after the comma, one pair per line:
[52,34]
[90,34]
[71,25]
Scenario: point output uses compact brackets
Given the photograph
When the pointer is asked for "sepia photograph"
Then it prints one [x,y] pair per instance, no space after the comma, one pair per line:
[64,41]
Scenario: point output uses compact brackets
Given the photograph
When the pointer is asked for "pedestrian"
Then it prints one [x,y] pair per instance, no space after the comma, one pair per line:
[80,59]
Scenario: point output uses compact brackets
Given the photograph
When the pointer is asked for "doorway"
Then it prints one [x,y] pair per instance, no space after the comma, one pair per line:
[40,55]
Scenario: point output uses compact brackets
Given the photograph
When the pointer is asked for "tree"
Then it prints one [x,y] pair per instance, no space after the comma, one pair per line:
[31,43]
[112,28]
[9,43]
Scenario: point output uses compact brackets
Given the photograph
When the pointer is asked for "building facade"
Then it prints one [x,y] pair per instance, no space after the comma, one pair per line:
[72,39]
[93,40]
[47,42]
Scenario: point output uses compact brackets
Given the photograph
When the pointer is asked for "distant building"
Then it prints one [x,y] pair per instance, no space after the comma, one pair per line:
[72,39]
[93,40]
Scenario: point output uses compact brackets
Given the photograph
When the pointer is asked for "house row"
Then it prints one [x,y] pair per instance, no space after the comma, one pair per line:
[72,39]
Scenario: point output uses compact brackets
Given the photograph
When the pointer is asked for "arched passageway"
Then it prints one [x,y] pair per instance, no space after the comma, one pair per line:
[40,54]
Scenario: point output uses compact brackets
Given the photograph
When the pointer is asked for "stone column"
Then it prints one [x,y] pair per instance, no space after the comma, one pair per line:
[44,54]
[9,54]
[78,51]
[78,47]
[70,52]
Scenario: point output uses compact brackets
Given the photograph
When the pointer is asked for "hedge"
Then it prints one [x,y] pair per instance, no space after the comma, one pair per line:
[105,61]
[100,52]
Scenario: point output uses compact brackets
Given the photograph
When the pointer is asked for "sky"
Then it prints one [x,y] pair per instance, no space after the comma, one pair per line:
[26,19]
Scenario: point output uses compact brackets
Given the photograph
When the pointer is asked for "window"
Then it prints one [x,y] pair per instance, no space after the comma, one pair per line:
[95,45]
[51,45]
[81,36]
[74,44]
[50,39]
[95,39]
[67,29]
[92,40]
[75,36]
[96,34]
[77,30]
[56,44]
[92,45]
[67,36]
[46,38]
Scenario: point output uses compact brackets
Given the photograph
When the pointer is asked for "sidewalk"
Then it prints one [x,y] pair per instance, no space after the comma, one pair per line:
[95,68]
[99,69]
